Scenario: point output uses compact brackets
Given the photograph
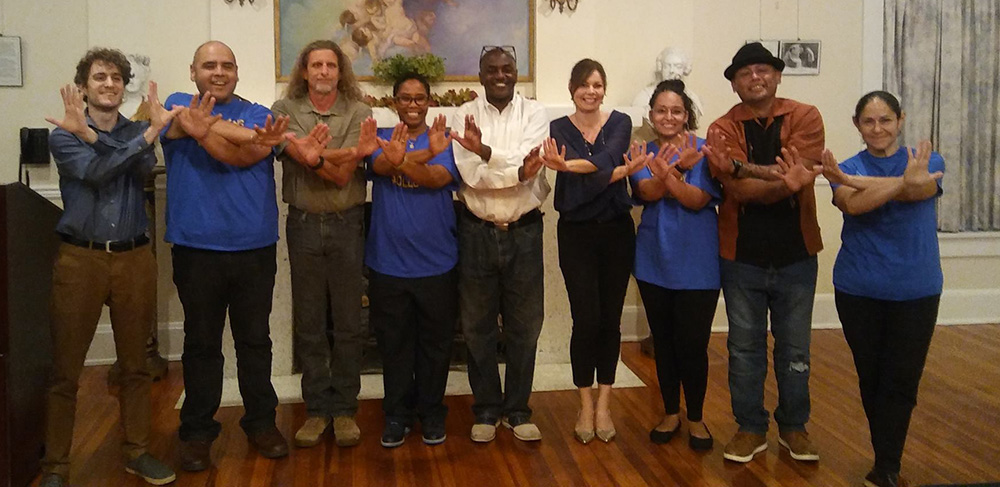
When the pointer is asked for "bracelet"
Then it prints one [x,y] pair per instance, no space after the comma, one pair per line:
[318,165]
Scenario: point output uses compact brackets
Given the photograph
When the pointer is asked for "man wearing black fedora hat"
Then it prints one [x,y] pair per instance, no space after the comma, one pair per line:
[769,238]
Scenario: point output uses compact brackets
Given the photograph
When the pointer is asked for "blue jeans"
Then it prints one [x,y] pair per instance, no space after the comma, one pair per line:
[500,273]
[325,254]
[787,292]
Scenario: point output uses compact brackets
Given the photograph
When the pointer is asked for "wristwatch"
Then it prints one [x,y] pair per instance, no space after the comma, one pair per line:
[319,164]
[737,167]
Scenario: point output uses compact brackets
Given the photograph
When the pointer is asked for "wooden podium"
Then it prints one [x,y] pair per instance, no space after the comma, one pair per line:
[28,245]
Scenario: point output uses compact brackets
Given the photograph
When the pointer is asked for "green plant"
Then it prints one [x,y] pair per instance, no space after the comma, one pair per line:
[388,70]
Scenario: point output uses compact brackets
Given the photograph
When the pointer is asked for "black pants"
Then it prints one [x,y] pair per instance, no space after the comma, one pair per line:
[889,340]
[680,321]
[596,261]
[208,284]
[415,321]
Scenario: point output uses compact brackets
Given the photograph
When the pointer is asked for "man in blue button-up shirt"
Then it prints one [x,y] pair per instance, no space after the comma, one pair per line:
[103,160]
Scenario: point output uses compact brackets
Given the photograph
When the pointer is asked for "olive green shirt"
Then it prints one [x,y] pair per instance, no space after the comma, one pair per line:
[300,186]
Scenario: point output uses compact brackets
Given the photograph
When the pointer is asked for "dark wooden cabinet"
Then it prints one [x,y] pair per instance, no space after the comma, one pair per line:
[28,244]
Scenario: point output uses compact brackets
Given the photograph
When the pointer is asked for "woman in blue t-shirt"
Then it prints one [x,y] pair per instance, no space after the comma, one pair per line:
[677,259]
[596,237]
[888,272]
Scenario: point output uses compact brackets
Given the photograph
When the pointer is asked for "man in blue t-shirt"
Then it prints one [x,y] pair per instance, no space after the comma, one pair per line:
[222,220]
[411,254]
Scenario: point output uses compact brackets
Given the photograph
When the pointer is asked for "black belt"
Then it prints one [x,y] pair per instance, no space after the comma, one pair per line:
[115,246]
[528,218]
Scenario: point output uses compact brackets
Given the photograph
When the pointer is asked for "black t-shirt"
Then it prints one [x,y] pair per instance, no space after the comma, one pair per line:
[769,235]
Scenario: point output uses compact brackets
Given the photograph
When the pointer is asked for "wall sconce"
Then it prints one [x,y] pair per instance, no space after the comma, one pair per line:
[241,2]
[570,4]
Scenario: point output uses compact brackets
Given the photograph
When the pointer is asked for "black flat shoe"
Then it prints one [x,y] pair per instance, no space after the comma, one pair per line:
[661,437]
[701,444]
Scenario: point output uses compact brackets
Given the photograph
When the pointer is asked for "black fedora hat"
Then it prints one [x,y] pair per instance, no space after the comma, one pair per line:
[752,53]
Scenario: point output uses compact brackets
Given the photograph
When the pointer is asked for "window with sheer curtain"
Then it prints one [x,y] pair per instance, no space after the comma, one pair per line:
[942,58]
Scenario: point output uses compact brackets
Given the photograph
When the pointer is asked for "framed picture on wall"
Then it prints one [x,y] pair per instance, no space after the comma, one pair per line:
[801,57]
[10,61]
[770,45]
[370,30]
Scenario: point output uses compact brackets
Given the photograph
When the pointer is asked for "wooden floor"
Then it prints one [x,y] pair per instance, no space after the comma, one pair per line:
[954,437]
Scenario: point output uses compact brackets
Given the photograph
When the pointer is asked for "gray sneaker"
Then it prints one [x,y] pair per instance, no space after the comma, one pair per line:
[151,470]
[52,480]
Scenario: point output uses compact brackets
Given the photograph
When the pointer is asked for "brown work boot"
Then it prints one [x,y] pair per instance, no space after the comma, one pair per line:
[311,432]
[269,443]
[877,478]
[799,446]
[196,455]
[346,431]
[744,446]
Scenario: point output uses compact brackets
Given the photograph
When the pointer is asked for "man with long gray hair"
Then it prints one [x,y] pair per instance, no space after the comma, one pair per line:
[324,186]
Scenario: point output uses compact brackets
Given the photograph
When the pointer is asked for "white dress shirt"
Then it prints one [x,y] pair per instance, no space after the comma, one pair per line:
[491,189]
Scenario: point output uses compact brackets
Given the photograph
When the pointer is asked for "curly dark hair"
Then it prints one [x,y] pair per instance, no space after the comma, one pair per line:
[106,55]
[677,86]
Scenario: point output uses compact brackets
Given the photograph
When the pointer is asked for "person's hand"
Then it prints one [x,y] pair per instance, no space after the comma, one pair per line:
[532,164]
[831,170]
[196,119]
[74,118]
[553,157]
[311,146]
[661,166]
[438,138]
[272,133]
[794,174]
[916,174]
[716,149]
[636,158]
[395,148]
[368,140]
[159,116]
[472,139]
[690,154]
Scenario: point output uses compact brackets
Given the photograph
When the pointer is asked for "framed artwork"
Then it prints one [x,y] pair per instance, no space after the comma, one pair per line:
[801,57]
[10,61]
[370,30]
[770,45]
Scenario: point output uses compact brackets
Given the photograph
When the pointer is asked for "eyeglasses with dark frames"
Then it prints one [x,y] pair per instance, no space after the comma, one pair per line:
[420,100]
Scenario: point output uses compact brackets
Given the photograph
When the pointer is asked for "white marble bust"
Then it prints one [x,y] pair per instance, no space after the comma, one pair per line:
[672,63]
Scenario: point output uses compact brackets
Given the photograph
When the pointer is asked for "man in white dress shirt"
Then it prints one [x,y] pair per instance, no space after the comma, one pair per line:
[500,243]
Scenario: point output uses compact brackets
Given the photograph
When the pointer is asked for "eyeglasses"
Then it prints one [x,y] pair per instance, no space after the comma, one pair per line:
[404,100]
[507,49]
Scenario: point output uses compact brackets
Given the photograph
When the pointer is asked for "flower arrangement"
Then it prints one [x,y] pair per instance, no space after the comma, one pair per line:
[388,70]
[430,66]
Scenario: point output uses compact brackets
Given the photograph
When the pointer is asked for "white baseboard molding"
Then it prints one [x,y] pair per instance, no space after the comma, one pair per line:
[958,307]
[102,349]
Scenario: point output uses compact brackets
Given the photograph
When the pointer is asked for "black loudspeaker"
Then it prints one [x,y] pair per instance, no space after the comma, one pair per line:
[34,146]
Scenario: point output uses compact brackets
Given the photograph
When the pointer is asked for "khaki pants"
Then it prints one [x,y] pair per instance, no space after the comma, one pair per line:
[83,282]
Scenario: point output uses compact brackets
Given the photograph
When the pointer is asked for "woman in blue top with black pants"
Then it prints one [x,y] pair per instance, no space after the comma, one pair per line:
[596,237]
[677,260]
[887,275]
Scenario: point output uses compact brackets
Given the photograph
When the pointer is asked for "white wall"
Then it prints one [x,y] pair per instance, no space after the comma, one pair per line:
[625,36]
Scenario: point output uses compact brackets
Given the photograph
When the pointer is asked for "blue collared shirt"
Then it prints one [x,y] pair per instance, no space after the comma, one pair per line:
[102,184]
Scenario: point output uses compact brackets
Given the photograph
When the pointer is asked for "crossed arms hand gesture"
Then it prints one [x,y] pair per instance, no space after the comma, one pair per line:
[861,194]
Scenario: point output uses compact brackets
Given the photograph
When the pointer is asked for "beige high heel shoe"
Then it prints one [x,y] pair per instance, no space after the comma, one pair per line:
[581,434]
[605,435]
